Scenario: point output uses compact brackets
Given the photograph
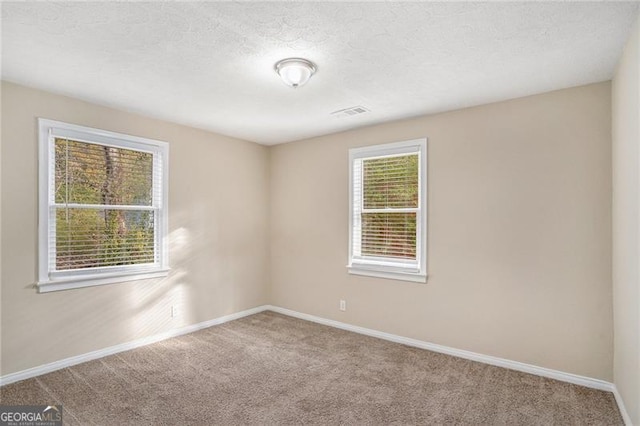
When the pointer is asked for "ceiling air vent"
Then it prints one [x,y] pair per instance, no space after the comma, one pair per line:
[348,112]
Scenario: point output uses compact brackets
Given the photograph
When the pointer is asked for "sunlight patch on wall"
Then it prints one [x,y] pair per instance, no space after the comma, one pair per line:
[160,305]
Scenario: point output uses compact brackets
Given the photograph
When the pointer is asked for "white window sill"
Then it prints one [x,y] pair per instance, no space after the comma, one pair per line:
[388,274]
[68,283]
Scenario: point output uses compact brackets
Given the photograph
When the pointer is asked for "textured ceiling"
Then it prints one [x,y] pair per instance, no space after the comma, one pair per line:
[210,65]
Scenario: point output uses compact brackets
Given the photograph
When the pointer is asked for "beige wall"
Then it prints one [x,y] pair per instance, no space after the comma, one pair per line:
[0,230]
[218,237]
[626,225]
[519,234]
[519,243]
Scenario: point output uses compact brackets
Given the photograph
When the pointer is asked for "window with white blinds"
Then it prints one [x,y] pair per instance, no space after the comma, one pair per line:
[103,207]
[388,210]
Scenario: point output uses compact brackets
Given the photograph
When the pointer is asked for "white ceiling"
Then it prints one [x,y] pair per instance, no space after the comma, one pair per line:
[210,65]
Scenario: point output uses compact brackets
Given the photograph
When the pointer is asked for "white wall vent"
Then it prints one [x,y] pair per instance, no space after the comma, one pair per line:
[348,112]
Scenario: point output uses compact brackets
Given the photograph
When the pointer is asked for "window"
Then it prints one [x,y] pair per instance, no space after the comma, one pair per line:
[388,210]
[102,207]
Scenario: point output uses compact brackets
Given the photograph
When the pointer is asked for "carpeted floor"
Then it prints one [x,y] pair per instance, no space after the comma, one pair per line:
[273,369]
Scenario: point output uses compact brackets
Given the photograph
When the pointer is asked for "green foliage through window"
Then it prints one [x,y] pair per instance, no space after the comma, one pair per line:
[97,190]
[390,183]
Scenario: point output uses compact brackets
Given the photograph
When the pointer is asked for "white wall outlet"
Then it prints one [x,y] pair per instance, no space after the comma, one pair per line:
[343,305]
[174,311]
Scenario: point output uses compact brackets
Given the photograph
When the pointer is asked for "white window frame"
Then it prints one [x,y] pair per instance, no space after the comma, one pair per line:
[49,280]
[398,269]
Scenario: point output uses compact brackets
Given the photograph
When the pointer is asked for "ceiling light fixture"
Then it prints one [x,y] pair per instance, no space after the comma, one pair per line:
[295,72]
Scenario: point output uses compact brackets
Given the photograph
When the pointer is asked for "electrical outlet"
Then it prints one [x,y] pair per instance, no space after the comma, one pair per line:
[174,311]
[343,305]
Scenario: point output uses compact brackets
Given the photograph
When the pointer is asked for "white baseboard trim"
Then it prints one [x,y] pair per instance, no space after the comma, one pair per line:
[623,410]
[473,356]
[74,360]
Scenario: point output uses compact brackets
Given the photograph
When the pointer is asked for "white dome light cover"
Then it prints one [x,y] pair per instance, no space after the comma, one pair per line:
[295,72]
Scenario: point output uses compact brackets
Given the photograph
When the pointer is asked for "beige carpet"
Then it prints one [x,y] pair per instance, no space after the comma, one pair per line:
[272,369]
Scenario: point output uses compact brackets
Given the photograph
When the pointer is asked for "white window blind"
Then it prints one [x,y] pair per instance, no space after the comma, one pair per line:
[387,209]
[103,206]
